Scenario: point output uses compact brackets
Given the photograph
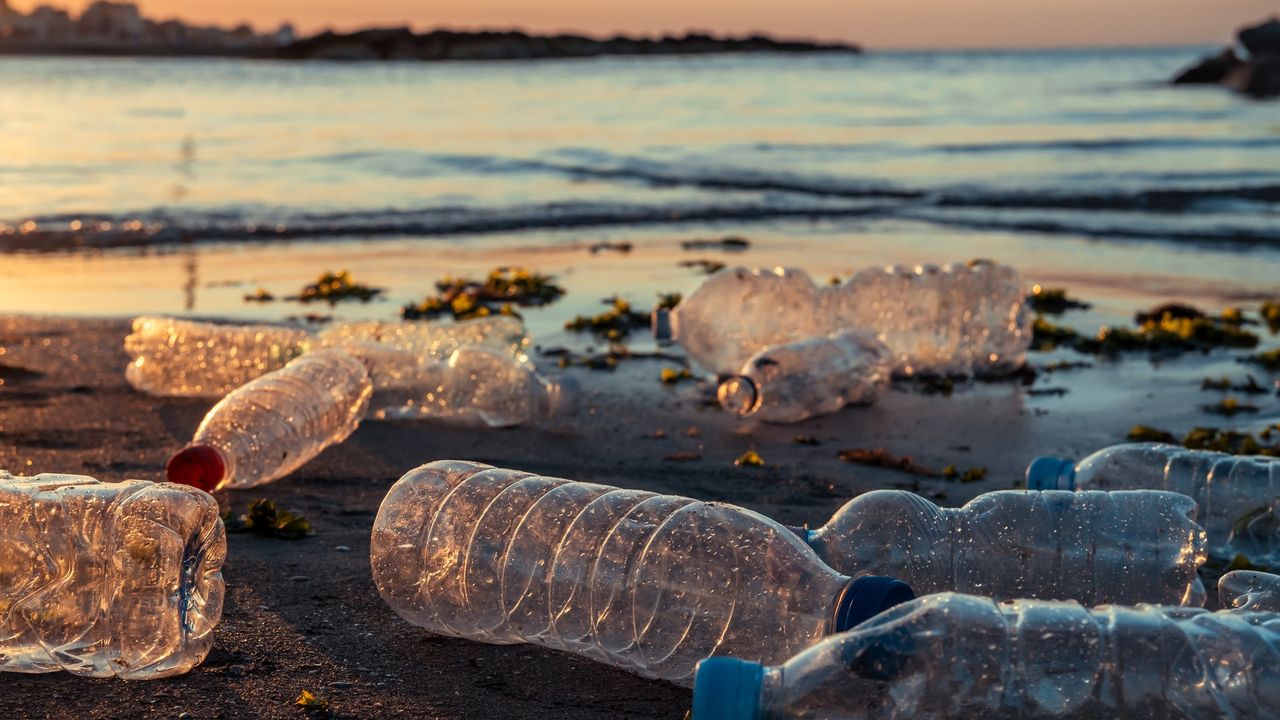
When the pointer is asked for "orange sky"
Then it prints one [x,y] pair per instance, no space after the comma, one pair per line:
[874,23]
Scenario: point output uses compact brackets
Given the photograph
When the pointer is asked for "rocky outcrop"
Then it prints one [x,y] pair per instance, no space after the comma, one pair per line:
[1256,75]
[404,44]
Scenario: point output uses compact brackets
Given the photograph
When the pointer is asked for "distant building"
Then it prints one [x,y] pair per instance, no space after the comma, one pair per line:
[50,24]
[105,20]
[285,35]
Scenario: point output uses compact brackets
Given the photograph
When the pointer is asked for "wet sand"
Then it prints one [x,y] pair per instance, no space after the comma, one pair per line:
[305,614]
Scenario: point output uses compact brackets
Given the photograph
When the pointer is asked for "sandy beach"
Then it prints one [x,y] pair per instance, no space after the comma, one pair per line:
[305,615]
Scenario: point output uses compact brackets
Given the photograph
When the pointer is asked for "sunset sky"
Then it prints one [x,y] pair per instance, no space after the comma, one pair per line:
[874,23]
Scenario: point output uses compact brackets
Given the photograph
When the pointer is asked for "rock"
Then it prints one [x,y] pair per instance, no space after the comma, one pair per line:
[1264,77]
[1261,39]
[1210,71]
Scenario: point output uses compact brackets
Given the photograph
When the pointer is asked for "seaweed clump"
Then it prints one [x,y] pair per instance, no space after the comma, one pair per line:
[500,292]
[1170,328]
[1053,301]
[1208,438]
[267,520]
[333,288]
[1271,315]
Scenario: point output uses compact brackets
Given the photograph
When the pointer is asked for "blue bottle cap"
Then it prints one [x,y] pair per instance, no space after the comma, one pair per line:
[1051,473]
[726,688]
[865,597]
[660,322]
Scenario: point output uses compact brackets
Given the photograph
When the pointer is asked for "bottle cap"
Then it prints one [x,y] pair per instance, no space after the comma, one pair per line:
[739,395]
[1051,473]
[726,688]
[199,466]
[660,322]
[865,597]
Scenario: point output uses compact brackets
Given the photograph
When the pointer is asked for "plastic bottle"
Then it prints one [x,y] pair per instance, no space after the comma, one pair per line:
[172,357]
[1250,590]
[1238,496]
[1091,547]
[271,426]
[474,386]
[793,382]
[958,319]
[649,583]
[103,579]
[953,657]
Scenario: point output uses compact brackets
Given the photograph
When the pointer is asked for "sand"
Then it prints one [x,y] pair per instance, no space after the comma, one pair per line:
[305,614]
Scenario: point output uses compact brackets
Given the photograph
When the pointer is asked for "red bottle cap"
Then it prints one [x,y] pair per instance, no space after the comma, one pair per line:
[199,466]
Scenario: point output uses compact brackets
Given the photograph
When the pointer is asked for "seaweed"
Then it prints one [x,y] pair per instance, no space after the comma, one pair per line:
[1062,365]
[620,247]
[750,458]
[1229,407]
[1270,312]
[1146,433]
[335,287]
[265,519]
[974,474]
[879,457]
[313,705]
[668,301]
[502,290]
[614,324]
[1228,441]
[805,440]
[730,242]
[1250,385]
[1053,301]
[671,376]
[261,295]
[1046,336]
[1269,360]
[708,267]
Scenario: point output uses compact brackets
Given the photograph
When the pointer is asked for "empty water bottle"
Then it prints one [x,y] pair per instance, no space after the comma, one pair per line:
[172,357]
[650,583]
[474,385]
[958,319]
[1238,496]
[105,579]
[1250,590]
[271,426]
[951,656]
[1091,547]
[795,381]
[176,357]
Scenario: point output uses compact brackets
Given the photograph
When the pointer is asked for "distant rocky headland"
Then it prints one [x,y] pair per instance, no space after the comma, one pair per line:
[404,44]
[119,28]
[1256,72]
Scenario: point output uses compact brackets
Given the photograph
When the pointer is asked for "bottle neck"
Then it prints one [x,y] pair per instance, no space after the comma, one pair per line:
[772,694]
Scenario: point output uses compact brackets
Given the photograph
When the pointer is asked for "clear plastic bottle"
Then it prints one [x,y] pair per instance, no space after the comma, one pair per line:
[792,382]
[1237,496]
[953,657]
[959,319]
[1250,590]
[649,583]
[474,386]
[103,579]
[172,357]
[271,426]
[1091,547]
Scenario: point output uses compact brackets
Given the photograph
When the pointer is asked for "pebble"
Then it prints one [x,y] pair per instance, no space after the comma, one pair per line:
[342,548]
[340,685]
[299,578]
[235,670]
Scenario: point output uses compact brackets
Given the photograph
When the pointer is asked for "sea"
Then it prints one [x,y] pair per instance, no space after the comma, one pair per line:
[180,185]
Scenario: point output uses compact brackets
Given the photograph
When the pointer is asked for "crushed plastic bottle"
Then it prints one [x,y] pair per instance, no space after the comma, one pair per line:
[173,357]
[103,579]
[645,582]
[473,386]
[1238,496]
[1250,590]
[1091,547]
[271,426]
[959,319]
[953,657]
[793,382]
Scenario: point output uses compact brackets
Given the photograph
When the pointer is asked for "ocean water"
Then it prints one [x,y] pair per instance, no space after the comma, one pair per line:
[1080,165]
